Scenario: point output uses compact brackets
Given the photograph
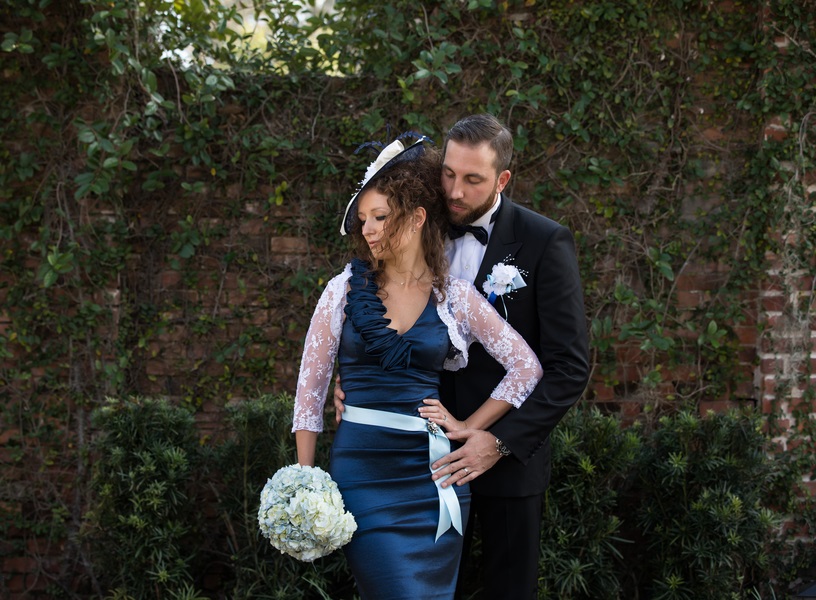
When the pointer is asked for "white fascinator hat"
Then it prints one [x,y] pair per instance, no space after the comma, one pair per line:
[393,154]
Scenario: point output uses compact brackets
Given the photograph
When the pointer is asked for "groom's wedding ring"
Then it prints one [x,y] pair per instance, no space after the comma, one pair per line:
[466,471]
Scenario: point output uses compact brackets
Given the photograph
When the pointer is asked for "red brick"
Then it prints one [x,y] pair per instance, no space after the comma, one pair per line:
[40,546]
[686,299]
[745,389]
[19,564]
[631,410]
[229,281]
[806,283]
[772,321]
[747,355]
[714,134]
[169,279]
[769,386]
[602,392]
[239,298]
[681,373]
[780,424]
[794,444]
[774,283]
[288,245]
[15,583]
[253,227]
[790,526]
[771,366]
[774,303]
[36,583]
[776,135]
[628,373]
[629,354]
[158,367]
[686,283]
[751,295]
[7,435]
[717,406]
[152,388]
[687,335]
[212,368]
[773,345]
[800,402]
[746,335]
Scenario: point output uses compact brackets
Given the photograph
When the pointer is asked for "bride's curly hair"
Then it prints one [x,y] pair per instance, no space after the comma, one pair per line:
[407,186]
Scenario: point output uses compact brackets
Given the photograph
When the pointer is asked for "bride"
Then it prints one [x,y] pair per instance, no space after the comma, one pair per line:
[394,319]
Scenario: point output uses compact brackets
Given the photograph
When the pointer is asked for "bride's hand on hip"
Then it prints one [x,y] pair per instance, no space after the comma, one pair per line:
[435,412]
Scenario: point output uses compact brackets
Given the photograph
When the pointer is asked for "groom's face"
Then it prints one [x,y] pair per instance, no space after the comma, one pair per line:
[470,180]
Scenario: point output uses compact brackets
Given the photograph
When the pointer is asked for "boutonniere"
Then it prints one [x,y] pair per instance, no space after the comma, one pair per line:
[502,280]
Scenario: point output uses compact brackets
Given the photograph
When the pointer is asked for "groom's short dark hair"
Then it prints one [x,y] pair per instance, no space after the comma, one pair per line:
[474,130]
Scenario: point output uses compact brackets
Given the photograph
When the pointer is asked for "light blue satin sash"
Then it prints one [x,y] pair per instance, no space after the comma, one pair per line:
[450,514]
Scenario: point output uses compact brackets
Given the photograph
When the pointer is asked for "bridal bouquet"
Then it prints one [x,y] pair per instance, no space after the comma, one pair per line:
[302,513]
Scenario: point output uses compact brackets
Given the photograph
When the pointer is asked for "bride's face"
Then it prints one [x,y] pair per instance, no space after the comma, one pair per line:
[384,235]
[389,237]
[374,212]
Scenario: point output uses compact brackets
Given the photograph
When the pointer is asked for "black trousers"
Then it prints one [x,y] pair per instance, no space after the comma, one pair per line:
[510,534]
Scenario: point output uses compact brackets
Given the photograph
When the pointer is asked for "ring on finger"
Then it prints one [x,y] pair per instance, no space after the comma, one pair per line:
[467,472]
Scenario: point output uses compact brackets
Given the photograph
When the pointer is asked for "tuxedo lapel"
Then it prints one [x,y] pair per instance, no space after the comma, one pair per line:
[502,245]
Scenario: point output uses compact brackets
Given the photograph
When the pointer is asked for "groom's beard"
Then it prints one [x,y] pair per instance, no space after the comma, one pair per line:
[475,213]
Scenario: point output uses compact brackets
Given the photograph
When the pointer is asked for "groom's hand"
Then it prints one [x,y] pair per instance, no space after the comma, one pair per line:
[339,398]
[477,455]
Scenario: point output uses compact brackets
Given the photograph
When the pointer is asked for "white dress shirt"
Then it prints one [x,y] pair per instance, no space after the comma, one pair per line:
[465,254]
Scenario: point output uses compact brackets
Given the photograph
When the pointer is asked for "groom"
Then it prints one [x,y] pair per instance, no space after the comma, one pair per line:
[508,467]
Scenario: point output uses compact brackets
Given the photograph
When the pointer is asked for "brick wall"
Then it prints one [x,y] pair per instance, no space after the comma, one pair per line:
[775,338]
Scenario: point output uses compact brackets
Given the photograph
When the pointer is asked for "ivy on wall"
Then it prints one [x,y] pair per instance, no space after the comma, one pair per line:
[169,195]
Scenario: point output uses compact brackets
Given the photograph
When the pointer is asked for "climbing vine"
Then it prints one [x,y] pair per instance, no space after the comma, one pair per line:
[171,177]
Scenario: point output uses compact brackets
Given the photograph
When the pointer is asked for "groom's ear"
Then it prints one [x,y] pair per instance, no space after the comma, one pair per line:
[504,177]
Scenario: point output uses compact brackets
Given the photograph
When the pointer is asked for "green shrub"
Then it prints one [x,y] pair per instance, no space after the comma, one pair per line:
[592,456]
[143,526]
[684,509]
[792,553]
[259,443]
[704,528]
[687,508]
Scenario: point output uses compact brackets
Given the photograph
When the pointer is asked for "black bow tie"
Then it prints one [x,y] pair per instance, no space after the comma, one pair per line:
[457,231]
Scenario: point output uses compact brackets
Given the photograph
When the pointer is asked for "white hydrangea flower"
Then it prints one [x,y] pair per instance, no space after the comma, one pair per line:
[302,513]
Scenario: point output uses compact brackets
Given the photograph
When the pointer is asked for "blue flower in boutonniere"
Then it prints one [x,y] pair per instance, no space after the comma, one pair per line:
[503,279]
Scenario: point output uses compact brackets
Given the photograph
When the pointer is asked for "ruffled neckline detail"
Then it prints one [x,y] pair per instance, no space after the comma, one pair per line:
[366,312]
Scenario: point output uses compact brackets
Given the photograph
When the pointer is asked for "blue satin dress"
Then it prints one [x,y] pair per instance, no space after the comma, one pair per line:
[383,473]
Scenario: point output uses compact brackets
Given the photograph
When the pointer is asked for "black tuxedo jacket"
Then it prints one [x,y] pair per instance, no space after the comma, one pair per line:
[549,314]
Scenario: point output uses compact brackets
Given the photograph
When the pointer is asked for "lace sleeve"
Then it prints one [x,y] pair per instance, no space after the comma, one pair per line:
[319,353]
[500,340]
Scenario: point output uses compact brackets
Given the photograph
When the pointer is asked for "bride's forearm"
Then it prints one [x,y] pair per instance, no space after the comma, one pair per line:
[488,413]
[306,442]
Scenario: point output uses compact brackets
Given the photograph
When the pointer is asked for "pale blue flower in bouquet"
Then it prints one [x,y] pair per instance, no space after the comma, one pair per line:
[302,513]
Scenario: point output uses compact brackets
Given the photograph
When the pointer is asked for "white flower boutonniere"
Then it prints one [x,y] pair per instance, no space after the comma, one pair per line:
[302,513]
[503,279]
